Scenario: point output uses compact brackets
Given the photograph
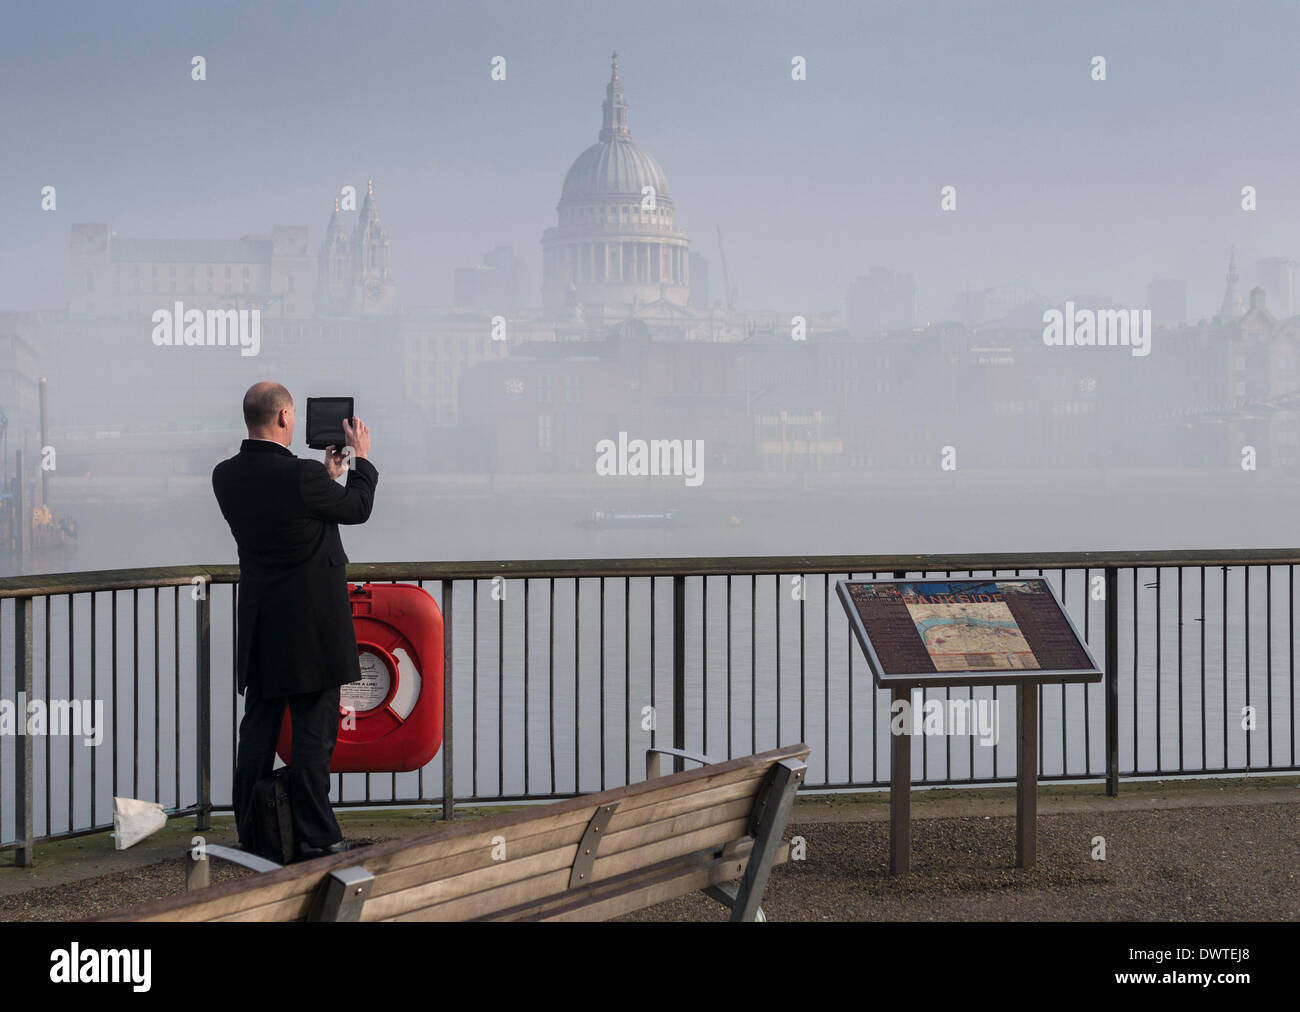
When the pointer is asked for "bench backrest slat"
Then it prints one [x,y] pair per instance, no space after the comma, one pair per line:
[655,807]
[454,872]
[683,833]
[438,902]
[635,892]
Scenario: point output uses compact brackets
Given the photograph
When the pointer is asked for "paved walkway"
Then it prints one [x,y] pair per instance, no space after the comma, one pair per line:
[1186,850]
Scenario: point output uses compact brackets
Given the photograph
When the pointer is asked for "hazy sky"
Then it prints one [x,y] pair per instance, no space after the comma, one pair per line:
[1065,184]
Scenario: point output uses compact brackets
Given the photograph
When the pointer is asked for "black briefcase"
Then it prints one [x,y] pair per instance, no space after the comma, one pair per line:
[272,818]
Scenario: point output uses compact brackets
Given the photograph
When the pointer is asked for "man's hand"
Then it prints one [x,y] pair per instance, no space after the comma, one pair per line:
[357,437]
[334,461]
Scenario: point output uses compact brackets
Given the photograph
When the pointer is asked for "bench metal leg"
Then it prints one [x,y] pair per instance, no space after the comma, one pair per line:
[342,895]
[653,766]
[197,875]
[725,893]
[771,812]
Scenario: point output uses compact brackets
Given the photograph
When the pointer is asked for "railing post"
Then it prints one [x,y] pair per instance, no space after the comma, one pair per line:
[203,706]
[448,768]
[21,516]
[25,855]
[679,669]
[1112,681]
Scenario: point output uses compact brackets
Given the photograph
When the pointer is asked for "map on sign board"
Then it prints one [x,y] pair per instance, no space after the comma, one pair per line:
[967,628]
[925,630]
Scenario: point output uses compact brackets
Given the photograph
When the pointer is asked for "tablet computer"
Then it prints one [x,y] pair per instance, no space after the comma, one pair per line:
[325,417]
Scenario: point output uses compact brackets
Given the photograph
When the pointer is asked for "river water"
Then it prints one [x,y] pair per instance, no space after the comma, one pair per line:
[762,668]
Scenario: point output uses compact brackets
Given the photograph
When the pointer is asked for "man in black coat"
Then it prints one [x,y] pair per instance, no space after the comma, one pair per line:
[296,642]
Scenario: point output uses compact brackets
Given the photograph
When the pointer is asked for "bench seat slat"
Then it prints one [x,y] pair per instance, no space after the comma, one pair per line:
[693,814]
[675,825]
[288,892]
[390,880]
[521,890]
[294,908]
[476,835]
[645,891]
[477,860]
[517,874]
[732,856]
[668,807]
[467,874]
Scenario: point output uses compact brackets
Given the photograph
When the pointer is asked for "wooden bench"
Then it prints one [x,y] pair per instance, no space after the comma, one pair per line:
[717,828]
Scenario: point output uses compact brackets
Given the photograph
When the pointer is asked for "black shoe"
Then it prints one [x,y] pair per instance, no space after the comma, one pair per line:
[310,853]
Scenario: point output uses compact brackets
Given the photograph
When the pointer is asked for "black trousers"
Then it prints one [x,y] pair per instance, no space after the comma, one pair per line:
[315,717]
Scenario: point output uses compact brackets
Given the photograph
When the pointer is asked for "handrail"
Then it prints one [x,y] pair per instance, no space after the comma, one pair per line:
[171,576]
[1235,667]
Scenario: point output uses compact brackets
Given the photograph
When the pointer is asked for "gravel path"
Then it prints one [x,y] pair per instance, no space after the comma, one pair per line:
[1236,861]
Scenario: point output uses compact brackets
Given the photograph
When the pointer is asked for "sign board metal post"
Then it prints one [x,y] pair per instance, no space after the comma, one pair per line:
[900,797]
[1026,774]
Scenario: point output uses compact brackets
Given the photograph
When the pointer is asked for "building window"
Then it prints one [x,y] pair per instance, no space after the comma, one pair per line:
[544,390]
[544,432]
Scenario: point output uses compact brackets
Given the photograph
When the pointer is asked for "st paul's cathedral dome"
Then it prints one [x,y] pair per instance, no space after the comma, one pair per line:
[615,248]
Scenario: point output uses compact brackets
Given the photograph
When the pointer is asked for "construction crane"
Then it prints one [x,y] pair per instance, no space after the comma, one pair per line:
[726,278]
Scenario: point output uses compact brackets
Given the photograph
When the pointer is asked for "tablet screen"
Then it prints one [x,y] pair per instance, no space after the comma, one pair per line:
[325,417]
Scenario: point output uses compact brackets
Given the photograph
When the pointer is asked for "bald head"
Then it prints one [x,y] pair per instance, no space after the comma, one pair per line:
[268,412]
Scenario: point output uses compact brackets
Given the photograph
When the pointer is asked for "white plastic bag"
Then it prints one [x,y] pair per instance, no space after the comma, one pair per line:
[133,820]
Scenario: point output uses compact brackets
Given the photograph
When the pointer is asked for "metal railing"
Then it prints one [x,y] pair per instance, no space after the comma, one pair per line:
[1198,650]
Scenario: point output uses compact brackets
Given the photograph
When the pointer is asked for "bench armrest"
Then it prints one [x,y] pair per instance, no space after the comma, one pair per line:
[196,869]
[654,755]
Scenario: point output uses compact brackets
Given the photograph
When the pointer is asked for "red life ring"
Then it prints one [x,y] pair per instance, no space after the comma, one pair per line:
[390,720]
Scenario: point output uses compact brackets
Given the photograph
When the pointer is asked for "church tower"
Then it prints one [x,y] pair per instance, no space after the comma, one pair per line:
[370,285]
[1233,308]
[332,289]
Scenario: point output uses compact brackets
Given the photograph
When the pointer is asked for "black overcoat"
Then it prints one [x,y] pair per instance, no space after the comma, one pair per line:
[294,619]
